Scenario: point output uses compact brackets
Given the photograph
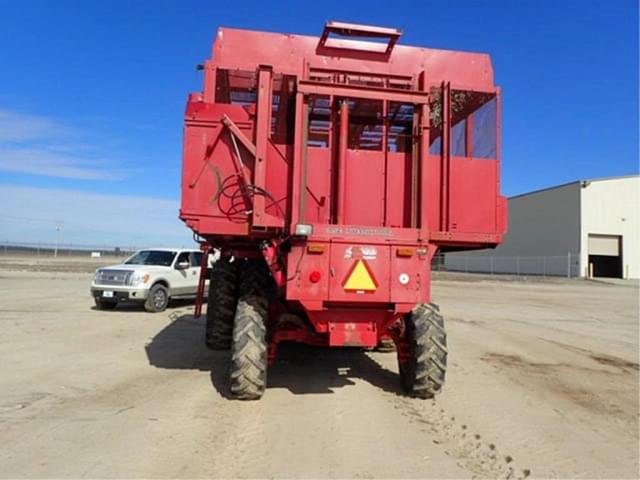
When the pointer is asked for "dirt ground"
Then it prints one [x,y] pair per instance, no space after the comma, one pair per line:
[542,382]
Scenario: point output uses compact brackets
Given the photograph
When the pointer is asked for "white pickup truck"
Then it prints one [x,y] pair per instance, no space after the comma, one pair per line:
[151,276]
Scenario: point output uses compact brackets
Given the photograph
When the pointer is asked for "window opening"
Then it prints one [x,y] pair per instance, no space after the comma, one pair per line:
[400,122]
[365,125]
[319,121]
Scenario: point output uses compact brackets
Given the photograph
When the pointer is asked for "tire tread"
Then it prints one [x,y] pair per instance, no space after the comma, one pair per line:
[424,374]
[248,373]
[221,304]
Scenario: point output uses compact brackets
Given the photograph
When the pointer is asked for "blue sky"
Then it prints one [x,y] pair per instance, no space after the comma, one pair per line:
[92,96]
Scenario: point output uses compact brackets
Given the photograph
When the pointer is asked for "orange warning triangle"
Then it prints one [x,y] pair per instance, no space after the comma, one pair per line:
[360,278]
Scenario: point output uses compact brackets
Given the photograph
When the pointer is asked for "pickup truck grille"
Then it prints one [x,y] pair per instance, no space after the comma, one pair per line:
[113,277]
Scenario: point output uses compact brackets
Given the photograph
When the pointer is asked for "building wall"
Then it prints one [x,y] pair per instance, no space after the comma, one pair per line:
[544,223]
[611,207]
[544,228]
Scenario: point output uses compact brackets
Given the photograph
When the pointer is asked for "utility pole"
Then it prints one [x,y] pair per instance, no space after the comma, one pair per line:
[58,229]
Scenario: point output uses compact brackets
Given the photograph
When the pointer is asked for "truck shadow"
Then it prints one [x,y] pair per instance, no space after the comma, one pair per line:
[301,369]
[138,307]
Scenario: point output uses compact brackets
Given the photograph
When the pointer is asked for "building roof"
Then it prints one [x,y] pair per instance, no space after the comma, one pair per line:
[562,185]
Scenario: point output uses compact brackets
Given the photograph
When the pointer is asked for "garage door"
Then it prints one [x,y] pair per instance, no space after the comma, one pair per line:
[604,245]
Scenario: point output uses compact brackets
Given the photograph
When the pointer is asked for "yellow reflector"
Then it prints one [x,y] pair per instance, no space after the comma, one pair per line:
[360,279]
[315,248]
[405,252]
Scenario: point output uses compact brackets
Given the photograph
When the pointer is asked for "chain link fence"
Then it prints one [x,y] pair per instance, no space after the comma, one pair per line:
[561,265]
[53,250]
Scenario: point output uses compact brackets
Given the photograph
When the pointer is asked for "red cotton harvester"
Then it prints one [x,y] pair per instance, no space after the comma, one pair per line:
[328,171]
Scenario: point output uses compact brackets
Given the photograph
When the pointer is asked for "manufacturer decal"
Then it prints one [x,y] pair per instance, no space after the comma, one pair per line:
[359,231]
[368,253]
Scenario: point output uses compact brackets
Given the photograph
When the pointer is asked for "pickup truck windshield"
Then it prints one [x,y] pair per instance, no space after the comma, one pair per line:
[152,257]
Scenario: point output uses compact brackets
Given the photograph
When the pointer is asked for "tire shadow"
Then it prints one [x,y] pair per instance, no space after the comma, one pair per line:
[301,369]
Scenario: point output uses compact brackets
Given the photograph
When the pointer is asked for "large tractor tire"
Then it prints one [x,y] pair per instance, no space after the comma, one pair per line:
[249,349]
[249,344]
[255,280]
[221,304]
[423,374]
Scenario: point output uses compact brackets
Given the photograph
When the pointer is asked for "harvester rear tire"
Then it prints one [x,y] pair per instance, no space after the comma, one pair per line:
[249,349]
[255,279]
[423,375]
[221,304]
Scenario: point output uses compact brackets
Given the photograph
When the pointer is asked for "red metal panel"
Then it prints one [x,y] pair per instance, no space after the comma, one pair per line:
[207,225]
[204,179]
[318,191]
[502,206]
[473,203]
[365,188]
[244,49]
[277,179]
[502,215]
[398,190]
[416,272]
[353,334]
[357,327]
[343,259]
[333,275]
[302,264]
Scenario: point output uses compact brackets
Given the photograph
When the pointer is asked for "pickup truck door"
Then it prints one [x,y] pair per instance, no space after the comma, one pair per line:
[181,280]
[195,260]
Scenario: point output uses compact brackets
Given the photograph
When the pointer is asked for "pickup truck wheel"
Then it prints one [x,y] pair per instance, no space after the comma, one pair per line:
[221,304]
[158,299]
[249,349]
[423,374]
[104,305]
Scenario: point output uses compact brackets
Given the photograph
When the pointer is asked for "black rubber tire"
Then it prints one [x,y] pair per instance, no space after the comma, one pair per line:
[221,304]
[158,299]
[249,349]
[255,279]
[386,345]
[423,375]
[105,305]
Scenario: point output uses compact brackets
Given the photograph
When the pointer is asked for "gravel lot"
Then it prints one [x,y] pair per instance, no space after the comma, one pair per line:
[543,382]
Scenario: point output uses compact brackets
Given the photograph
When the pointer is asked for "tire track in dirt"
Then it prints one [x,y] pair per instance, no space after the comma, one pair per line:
[471,452]
[481,458]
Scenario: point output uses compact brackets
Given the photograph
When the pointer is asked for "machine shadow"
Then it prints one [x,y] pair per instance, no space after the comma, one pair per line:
[301,369]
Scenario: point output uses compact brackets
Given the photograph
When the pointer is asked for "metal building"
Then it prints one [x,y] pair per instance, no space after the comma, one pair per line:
[584,228]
